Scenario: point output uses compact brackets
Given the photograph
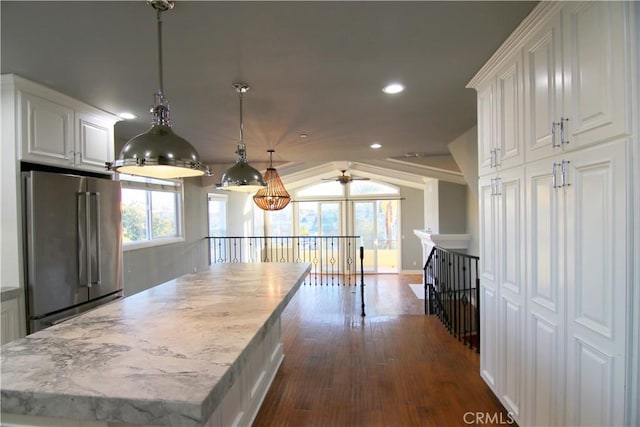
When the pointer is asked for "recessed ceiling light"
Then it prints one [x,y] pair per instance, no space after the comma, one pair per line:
[376,145]
[393,88]
[303,135]
[127,116]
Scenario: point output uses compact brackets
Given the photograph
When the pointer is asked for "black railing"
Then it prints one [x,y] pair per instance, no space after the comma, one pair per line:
[333,258]
[452,292]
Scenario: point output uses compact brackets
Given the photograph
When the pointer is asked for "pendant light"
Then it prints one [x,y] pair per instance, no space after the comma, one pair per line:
[159,153]
[274,196]
[241,176]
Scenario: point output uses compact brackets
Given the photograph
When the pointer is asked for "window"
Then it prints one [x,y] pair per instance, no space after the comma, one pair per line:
[151,211]
[217,215]
[281,222]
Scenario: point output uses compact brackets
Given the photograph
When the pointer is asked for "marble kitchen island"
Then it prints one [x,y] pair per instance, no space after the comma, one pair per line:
[198,350]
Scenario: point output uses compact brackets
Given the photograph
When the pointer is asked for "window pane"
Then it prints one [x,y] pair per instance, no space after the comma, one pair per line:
[371,187]
[134,215]
[281,222]
[217,217]
[330,219]
[331,188]
[387,224]
[164,218]
[308,222]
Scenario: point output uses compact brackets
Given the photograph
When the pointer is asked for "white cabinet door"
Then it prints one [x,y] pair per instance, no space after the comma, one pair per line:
[488,232]
[47,131]
[511,264]
[94,141]
[545,293]
[509,111]
[597,303]
[489,324]
[486,128]
[543,89]
[11,321]
[596,72]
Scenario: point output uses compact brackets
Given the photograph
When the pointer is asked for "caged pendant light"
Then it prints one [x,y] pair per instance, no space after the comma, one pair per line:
[241,176]
[274,196]
[159,153]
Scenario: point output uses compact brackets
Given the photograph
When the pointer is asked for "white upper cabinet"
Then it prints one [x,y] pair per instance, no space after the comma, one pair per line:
[54,129]
[95,139]
[500,119]
[509,114]
[543,91]
[486,128]
[47,129]
[595,51]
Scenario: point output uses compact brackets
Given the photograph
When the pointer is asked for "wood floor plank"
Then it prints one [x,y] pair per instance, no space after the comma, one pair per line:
[394,367]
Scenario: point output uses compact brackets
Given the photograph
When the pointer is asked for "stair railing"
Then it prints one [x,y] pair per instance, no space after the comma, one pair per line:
[452,292]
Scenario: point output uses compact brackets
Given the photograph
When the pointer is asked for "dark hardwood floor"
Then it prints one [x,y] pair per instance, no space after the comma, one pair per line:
[394,367]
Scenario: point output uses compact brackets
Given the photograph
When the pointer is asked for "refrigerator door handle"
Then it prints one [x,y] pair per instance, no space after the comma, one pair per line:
[84,240]
[98,242]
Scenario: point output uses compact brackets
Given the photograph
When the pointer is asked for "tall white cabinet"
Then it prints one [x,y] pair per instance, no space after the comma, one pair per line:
[557,148]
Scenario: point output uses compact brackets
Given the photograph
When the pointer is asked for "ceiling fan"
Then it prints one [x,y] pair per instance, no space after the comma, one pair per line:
[344,179]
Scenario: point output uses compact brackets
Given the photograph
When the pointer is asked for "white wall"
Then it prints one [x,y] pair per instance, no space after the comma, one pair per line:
[147,267]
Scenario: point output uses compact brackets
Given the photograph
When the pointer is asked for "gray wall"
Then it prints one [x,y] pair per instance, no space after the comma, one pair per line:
[411,218]
[147,267]
[452,207]
[464,150]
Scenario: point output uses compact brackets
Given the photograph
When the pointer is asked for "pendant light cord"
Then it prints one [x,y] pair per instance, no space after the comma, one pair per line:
[160,76]
[241,122]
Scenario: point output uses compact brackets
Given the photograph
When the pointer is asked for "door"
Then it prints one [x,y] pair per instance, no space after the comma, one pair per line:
[104,245]
[376,222]
[597,294]
[47,131]
[596,71]
[545,295]
[489,350]
[53,249]
[543,90]
[486,128]
[320,219]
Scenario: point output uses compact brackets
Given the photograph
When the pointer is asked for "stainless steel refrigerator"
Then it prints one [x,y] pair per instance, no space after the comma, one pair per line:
[73,245]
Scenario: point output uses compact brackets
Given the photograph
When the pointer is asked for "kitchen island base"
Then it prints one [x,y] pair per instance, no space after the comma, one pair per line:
[201,350]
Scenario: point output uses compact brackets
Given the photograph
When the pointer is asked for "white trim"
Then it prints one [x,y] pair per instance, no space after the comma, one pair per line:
[151,243]
[538,17]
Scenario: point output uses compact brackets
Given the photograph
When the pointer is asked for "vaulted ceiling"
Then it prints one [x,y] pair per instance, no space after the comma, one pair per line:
[315,68]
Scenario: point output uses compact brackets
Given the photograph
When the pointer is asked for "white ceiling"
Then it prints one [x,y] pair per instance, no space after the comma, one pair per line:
[313,67]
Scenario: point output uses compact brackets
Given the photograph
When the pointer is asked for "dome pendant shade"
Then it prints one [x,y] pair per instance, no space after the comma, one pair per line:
[274,197]
[241,176]
[159,153]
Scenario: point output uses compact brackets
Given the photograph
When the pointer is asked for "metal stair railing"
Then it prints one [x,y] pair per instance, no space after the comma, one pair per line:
[452,292]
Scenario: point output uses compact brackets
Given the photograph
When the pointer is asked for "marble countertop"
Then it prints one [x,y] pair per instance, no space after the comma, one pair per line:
[165,356]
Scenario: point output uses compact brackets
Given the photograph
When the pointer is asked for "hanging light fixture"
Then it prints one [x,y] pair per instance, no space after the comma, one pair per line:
[159,153]
[241,176]
[274,196]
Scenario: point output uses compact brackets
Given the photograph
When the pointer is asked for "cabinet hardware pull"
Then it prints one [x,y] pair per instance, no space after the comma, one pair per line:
[497,157]
[553,134]
[492,159]
[554,178]
[563,166]
[563,139]
[498,186]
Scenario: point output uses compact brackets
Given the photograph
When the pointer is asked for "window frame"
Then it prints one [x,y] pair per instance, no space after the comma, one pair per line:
[151,185]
